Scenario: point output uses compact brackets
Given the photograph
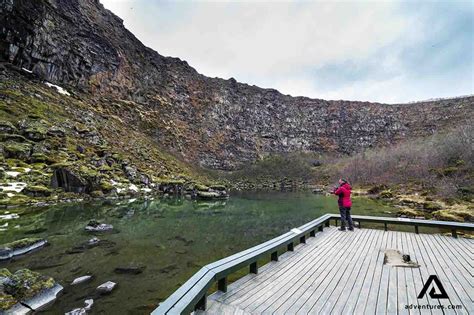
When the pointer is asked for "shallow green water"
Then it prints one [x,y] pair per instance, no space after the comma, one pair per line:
[173,238]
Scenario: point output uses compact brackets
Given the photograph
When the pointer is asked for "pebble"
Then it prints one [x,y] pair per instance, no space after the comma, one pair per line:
[81,280]
[106,287]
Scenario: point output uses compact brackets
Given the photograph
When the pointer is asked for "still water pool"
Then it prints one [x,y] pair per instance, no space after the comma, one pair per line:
[171,238]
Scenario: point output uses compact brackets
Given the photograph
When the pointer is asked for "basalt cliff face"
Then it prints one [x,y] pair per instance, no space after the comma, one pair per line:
[216,123]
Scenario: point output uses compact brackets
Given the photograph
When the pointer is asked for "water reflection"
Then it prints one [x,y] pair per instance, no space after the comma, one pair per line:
[172,238]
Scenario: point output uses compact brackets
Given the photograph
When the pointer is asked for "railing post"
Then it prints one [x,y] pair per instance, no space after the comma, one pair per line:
[275,256]
[385,226]
[290,247]
[327,223]
[303,239]
[360,225]
[313,232]
[454,233]
[202,303]
[222,284]
[416,229]
[321,228]
[254,268]
[335,220]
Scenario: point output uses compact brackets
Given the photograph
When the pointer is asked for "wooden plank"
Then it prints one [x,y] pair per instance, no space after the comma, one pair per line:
[458,251]
[455,273]
[454,289]
[319,296]
[283,283]
[420,274]
[258,284]
[402,288]
[426,268]
[411,276]
[367,301]
[464,271]
[392,300]
[351,288]
[319,267]
[321,281]
[320,239]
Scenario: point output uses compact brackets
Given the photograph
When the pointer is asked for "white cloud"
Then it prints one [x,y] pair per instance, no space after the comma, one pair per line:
[282,44]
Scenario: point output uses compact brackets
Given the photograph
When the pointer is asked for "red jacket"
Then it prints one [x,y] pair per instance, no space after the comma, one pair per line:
[344,193]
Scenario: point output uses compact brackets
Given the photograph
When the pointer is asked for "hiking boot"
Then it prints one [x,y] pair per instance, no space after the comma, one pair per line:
[351,229]
[342,229]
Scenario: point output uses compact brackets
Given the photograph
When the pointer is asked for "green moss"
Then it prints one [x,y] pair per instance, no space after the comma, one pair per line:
[17,150]
[448,215]
[37,191]
[4,272]
[6,301]
[386,194]
[21,243]
[12,137]
[97,194]
[7,127]
[16,200]
[106,186]
[26,283]
[81,128]
[218,187]
[38,157]
[448,171]
[410,213]
[201,187]
[431,206]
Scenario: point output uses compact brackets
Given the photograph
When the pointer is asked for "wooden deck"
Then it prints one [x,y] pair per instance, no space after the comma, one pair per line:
[344,273]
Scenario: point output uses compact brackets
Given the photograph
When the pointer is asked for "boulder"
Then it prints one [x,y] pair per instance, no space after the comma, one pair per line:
[106,288]
[82,279]
[69,181]
[134,270]
[95,226]
[15,150]
[26,291]
[20,247]
[37,191]
[56,131]
[7,127]
[82,311]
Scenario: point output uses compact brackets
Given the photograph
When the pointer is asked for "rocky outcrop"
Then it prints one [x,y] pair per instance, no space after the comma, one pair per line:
[66,179]
[219,124]
[26,291]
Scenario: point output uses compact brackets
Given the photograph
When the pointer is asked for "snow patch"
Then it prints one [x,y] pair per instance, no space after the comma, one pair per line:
[58,88]
[133,187]
[146,190]
[12,173]
[14,186]
[26,70]
[9,216]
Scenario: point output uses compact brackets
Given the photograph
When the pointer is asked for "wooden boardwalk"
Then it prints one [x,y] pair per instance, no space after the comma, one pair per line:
[344,273]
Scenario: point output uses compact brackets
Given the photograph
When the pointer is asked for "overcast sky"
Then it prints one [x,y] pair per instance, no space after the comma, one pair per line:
[355,50]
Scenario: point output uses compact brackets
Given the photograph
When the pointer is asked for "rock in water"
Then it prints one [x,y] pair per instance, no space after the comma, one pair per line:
[134,270]
[20,247]
[93,241]
[106,288]
[26,291]
[82,311]
[81,280]
[95,226]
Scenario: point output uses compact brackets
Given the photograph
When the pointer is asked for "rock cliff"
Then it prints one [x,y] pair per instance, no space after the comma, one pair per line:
[216,123]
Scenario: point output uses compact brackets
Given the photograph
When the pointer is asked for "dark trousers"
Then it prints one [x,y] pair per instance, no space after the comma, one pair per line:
[346,218]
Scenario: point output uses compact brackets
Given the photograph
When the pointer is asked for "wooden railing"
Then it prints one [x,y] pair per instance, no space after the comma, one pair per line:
[192,295]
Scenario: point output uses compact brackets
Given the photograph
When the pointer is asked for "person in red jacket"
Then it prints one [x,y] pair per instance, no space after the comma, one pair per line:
[345,204]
